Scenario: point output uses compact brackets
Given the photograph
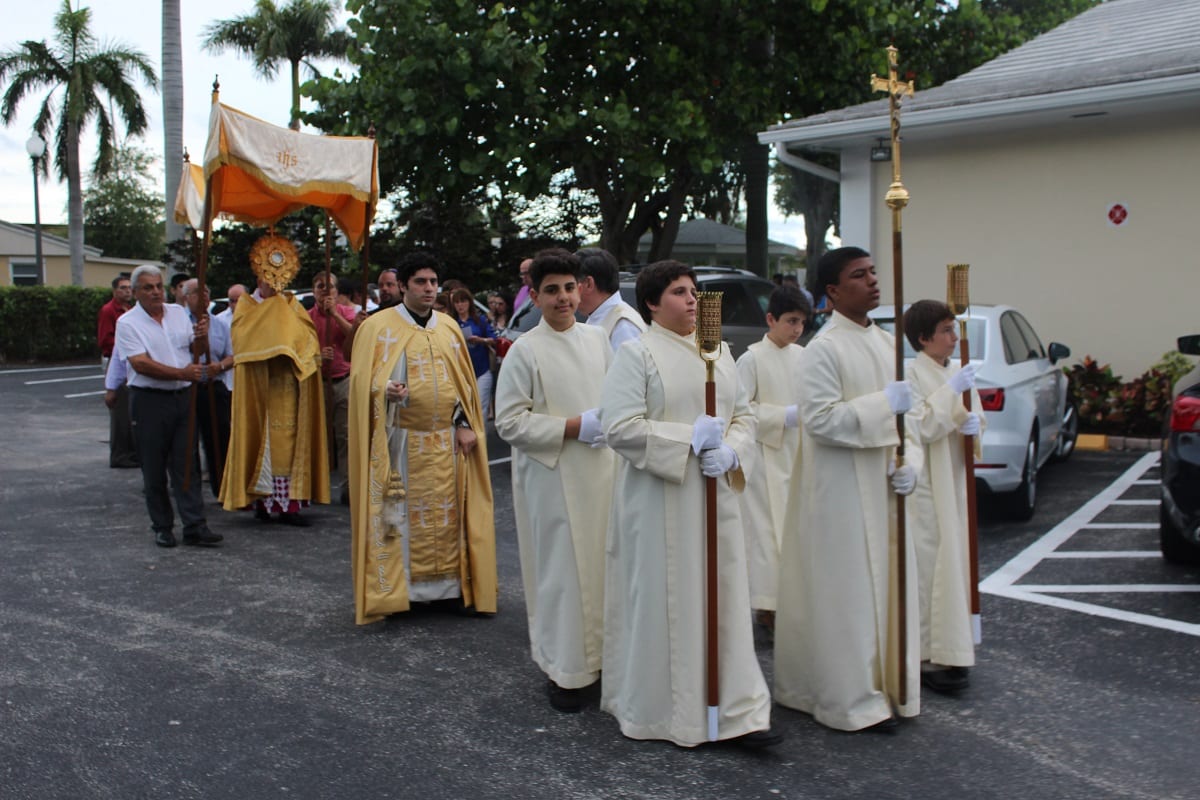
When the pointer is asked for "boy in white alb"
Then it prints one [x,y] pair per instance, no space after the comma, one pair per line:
[769,371]
[937,510]
[546,408]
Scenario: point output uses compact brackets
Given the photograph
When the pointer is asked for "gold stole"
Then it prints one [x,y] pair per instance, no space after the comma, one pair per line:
[430,482]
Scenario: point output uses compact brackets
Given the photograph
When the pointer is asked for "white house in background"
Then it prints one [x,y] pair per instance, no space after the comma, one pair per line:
[18,260]
[1065,172]
[708,242]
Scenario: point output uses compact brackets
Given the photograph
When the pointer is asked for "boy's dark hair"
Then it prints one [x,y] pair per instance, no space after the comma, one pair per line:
[922,320]
[829,268]
[349,287]
[786,299]
[602,267]
[178,278]
[553,261]
[654,280]
[413,262]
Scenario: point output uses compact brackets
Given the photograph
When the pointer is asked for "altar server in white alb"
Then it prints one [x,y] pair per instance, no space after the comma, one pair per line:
[837,625]
[770,370]
[547,408]
[937,510]
[653,411]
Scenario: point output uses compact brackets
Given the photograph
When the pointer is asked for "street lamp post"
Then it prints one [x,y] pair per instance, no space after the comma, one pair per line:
[36,147]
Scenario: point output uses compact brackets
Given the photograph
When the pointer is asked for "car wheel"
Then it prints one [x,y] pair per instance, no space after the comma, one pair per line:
[1175,548]
[1020,503]
[1067,434]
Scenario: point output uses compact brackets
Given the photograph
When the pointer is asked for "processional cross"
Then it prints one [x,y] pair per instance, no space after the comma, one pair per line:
[896,199]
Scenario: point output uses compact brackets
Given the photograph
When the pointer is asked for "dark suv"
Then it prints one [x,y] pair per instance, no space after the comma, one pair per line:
[1179,515]
[743,302]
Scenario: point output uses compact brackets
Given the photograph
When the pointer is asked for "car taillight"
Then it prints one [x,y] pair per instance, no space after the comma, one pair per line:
[1185,414]
[992,399]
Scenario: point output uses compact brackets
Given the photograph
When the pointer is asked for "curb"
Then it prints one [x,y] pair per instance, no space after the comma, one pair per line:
[1103,442]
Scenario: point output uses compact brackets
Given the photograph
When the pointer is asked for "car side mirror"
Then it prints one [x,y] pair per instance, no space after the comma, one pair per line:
[1058,352]
[1189,345]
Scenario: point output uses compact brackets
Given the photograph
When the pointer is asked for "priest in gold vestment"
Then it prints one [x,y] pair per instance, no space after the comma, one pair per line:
[421,509]
[278,455]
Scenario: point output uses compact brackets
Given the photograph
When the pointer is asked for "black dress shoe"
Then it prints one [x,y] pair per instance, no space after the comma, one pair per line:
[568,701]
[883,726]
[945,681]
[164,539]
[294,519]
[261,514]
[757,740]
[202,538]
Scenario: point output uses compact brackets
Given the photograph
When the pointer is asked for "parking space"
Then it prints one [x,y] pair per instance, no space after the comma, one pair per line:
[1103,560]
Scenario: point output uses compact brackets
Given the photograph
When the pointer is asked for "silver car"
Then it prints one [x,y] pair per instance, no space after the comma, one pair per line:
[1030,417]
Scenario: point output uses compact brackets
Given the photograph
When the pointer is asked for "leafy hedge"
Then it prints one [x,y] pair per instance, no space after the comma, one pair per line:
[44,323]
[1107,404]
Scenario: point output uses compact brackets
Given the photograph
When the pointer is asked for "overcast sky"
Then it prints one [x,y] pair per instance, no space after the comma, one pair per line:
[137,24]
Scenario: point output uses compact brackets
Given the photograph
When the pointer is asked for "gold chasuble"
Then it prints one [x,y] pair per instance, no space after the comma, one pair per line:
[278,415]
[421,515]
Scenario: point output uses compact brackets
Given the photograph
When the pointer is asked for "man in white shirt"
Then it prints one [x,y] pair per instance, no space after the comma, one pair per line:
[155,339]
[600,297]
[235,293]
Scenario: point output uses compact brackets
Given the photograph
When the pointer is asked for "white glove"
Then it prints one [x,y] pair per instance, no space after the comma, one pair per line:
[899,396]
[970,426]
[589,427]
[707,433]
[791,417]
[716,461]
[904,479]
[962,380]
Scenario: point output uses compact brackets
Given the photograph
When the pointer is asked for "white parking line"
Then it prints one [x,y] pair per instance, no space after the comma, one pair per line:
[1104,554]
[85,394]
[65,380]
[1004,581]
[500,461]
[1136,502]
[1108,588]
[4,372]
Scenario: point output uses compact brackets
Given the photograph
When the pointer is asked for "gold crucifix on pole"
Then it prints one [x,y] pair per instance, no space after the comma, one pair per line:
[897,195]
[897,199]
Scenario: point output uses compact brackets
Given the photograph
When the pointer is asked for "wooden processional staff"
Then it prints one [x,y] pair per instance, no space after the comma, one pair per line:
[708,339]
[958,298]
[896,199]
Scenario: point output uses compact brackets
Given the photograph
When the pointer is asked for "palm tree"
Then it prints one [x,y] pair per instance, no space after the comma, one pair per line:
[294,32]
[172,72]
[82,69]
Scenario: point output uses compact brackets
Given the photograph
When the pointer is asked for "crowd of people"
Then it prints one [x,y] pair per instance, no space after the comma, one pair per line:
[628,442]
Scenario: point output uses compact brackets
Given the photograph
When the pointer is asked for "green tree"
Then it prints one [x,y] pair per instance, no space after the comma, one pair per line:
[80,75]
[296,32]
[122,212]
[172,96]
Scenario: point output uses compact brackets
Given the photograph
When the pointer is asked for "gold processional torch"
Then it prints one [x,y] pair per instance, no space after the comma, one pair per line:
[958,298]
[897,199]
[708,339]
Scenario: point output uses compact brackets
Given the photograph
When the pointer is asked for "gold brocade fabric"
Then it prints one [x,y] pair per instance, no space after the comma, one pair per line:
[449,497]
[432,500]
[282,405]
[277,404]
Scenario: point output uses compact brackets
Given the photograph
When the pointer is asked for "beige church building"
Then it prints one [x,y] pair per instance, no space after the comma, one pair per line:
[1065,172]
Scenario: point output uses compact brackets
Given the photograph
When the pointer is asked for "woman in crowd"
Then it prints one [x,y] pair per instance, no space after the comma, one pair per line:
[480,339]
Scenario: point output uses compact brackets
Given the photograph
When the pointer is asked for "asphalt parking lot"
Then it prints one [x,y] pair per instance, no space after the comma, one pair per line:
[131,671]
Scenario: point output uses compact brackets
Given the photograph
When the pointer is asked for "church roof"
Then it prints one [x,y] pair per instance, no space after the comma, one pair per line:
[1146,45]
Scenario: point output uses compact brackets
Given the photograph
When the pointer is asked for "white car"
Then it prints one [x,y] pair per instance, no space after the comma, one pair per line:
[1030,417]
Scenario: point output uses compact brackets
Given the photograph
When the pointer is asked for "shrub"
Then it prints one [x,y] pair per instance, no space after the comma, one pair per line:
[1105,404]
[49,323]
